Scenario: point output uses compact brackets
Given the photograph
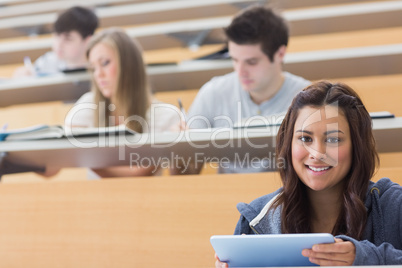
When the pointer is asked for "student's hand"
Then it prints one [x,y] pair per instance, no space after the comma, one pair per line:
[340,253]
[22,72]
[126,171]
[181,126]
[49,172]
[219,264]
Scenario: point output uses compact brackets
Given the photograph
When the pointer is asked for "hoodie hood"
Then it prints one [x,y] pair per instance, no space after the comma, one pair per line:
[257,217]
[375,226]
[264,221]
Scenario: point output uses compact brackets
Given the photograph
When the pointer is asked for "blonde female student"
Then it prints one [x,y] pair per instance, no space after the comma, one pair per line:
[120,95]
[328,148]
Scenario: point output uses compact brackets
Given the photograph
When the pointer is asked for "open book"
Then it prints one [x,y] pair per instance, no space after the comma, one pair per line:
[53,132]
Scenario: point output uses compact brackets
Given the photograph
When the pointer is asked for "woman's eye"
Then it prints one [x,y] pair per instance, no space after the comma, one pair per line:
[305,139]
[333,140]
[105,63]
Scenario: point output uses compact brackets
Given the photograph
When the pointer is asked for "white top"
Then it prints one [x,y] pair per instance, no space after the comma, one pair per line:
[160,116]
[48,64]
[222,102]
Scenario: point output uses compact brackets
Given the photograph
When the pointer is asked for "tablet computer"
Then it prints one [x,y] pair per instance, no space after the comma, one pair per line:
[267,250]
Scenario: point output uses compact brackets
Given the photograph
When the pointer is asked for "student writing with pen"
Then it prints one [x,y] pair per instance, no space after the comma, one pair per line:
[326,150]
[258,86]
[72,31]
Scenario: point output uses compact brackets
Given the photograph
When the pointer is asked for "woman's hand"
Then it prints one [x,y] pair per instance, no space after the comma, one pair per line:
[48,172]
[219,264]
[340,253]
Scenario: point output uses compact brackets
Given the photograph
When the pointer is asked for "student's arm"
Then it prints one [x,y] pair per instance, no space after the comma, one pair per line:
[126,171]
[49,172]
[385,247]
[190,169]
[369,254]
[23,71]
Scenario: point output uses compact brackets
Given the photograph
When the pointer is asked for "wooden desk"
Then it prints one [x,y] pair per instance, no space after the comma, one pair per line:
[345,39]
[368,88]
[346,17]
[151,37]
[61,87]
[379,93]
[13,50]
[137,13]
[312,65]
[182,29]
[211,145]
[151,57]
[25,7]
[199,145]
[17,2]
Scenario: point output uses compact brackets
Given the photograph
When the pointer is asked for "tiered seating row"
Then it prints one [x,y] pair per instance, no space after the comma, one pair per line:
[125,223]
[176,33]
[305,44]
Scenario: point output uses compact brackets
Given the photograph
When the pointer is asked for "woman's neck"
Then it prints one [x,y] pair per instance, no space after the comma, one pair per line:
[268,93]
[325,209]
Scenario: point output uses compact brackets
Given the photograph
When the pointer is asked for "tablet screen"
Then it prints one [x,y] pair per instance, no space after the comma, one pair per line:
[266,250]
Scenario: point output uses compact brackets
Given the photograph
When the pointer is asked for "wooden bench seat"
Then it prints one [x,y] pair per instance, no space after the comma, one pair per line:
[145,222]
[142,222]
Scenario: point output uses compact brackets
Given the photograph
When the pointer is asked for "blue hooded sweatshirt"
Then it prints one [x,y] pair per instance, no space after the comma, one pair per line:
[382,239]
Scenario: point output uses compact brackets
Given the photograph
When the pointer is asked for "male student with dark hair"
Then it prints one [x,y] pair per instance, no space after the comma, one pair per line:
[257,41]
[72,30]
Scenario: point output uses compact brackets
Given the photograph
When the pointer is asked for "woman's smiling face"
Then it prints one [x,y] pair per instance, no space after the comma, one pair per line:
[321,147]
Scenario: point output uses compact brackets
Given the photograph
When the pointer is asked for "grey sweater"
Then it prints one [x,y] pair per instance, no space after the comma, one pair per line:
[382,241]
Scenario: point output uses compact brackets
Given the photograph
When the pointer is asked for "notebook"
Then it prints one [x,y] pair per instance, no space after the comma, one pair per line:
[54,132]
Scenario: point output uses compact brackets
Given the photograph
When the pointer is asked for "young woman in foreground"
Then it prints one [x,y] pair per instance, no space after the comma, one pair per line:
[328,150]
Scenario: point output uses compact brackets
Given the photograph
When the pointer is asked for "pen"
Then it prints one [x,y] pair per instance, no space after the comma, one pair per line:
[4,127]
[182,109]
[28,64]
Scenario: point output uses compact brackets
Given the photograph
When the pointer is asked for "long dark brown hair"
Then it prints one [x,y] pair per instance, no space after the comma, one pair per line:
[352,218]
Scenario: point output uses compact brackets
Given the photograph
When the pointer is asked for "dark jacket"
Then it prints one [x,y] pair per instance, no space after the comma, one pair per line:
[382,241]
